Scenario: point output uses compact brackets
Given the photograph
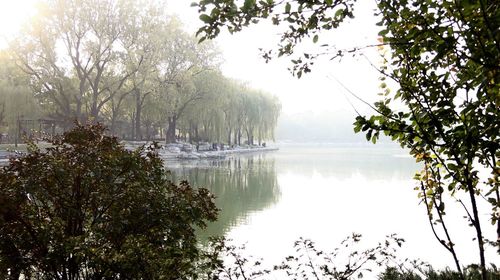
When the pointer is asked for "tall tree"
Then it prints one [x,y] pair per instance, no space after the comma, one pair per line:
[445,57]
[73,51]
[183,59]
[16,99]
[144,46]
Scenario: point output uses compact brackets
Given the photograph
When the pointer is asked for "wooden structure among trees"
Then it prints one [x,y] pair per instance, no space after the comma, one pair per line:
[38,128]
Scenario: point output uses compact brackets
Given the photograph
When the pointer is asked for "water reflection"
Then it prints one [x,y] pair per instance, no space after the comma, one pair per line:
[322,192]
[242,185]
[248,183]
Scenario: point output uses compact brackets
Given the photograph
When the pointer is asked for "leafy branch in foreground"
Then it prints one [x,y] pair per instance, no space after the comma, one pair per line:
[421,273]
[308,262]
[348,261]
[445,60]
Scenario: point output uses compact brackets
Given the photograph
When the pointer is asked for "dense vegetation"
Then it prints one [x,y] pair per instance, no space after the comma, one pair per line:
[444,59]
[86,208]
[131,66]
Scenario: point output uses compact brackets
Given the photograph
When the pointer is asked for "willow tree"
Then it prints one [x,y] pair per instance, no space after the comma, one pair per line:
[270,109]
[258,114]
[16,99]
[203,118]
[229,108]
[181,60]
[445,58]
[149,32]
[225,108]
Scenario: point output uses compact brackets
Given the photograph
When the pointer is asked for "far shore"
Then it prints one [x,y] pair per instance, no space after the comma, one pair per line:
[187,151]
[174,151]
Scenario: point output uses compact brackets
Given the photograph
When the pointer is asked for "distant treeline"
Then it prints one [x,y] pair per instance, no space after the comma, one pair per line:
[129,65]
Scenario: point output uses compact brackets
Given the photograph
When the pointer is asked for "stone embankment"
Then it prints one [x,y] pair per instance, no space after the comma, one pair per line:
[176,151]
[186,151]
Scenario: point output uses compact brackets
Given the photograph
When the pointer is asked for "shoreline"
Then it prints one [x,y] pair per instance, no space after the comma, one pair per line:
[171,152]
[221,154]
[186,151]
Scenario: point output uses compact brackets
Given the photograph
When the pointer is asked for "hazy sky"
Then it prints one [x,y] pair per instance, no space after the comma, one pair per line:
[316,92]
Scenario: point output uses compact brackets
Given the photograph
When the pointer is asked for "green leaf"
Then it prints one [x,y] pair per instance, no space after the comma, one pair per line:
[357,128]
[315,38]
[452,167]
[206,18]
[248,4]
[339,13]
[288,7]
[383,32]
[441,207]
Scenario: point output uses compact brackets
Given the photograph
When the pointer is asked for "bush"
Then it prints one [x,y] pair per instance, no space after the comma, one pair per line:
[86,208]
[428,273]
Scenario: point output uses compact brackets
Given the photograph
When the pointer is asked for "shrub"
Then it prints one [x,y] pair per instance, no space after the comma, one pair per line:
[86,208]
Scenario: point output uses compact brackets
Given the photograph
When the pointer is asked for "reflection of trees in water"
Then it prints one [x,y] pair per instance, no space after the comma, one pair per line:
[242,185]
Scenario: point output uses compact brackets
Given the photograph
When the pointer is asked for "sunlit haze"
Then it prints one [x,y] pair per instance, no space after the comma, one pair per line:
[314,93]
[12,15]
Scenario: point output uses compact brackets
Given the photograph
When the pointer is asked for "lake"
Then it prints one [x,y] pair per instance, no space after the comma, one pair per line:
[323,192]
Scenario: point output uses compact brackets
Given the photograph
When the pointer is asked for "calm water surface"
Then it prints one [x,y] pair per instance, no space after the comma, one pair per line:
[321,192]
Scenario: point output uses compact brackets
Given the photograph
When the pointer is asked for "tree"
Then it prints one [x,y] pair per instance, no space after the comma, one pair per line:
[74,53]
[145,42]
[241,110]
[445,58]
[182,59]
[16,100]
[105,60]
[86,208]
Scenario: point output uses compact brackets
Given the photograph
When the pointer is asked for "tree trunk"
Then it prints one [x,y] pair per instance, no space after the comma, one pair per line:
[190,132]
[113,124]
[148,136]
[94,110]
[94,114]
[132,126]
[229,137]
[196,133]
[477,225]
[138,109]
[78,111]
[170,134]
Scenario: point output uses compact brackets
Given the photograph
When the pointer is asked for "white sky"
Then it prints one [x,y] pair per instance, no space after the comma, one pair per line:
[315,92]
